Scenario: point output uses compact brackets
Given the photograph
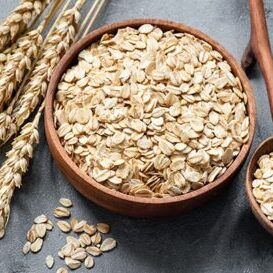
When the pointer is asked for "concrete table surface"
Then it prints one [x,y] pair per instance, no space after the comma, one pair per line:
[221,236]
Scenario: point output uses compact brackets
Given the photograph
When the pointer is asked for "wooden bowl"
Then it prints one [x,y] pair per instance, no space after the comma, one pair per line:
[265,147]
[119,202]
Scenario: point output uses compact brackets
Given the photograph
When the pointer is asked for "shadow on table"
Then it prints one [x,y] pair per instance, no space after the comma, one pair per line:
[218,231]
[220,236]
[177,243]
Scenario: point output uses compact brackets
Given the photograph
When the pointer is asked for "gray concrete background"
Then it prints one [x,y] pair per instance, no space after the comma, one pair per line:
[221,236]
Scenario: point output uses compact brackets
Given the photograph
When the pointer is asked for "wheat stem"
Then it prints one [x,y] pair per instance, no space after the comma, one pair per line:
[55,7]
[87,18]
[94,17]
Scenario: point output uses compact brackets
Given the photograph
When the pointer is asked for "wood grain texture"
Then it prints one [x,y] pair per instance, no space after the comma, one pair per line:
[119,202]
[259,49]
[259,46]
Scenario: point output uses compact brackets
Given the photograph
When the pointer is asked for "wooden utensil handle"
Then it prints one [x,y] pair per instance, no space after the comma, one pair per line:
[259,46]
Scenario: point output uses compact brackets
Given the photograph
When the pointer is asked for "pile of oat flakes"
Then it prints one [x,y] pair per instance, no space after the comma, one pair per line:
[79,249]
[151,113]
[263,184]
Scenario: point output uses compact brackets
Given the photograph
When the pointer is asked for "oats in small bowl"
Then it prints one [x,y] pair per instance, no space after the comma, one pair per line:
[259,184]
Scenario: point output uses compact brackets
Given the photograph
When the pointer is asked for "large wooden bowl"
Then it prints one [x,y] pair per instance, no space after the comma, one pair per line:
[119,202]
[265,147]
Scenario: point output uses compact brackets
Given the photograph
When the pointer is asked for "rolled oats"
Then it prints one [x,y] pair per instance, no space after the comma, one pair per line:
[71,263]
[79,254]
[151,113]
[40,230]
[62,270]
[103,228]
[89,262]
[61,212]
[49,261]
[66,202]
[32,235]
[262,185]
[85,239]
[64,226]
[26,248]
[89,229]
[77,250]
[96,238]
[36,245]
[108,244]
[79,227]
[94,251]
[36,234]
[41,219]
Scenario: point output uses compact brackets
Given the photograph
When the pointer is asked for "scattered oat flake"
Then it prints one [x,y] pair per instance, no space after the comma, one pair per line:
[67,249]
[89,229]
[72,240]
[71,263]
[49,261]
[108,244]
[36,246]
[77,250]
[103,228]
[96,238]
[65,202]
[40,230]
[49,225]
[94,251]
[89,262]
[73,222]
[62,270]
[26,248]
[32,235]
[85,239]
[79,254]
[79,226]
[61,212]
[41,219]
[64,226]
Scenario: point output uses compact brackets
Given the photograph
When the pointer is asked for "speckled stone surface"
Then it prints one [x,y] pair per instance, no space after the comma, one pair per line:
[222,236]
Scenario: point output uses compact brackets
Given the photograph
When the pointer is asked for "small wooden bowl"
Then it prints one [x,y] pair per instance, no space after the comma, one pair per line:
[265,147]
[119,202]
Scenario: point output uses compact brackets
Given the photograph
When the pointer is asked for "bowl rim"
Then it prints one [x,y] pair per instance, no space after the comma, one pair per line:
[254,205]
[93,36]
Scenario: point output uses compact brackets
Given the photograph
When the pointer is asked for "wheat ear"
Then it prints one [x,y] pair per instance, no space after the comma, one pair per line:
[16,165]
[18,157]
[32,92]
[19,62]
[21,58]
[19,19]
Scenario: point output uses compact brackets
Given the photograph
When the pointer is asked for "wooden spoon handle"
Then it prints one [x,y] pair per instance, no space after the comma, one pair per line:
[259,46]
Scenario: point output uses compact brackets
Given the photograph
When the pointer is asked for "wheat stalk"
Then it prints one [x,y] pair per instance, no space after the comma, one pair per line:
[20,61]
[19,19]
[21,58]
[18,157]
[23,104]
[16,165]
[5,56]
